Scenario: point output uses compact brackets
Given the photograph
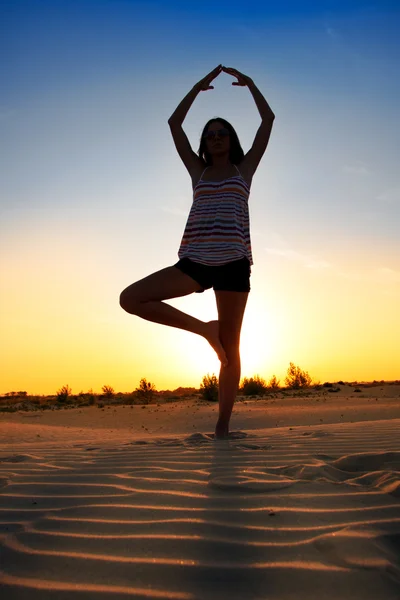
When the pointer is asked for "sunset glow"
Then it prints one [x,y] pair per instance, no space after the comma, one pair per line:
[95,197]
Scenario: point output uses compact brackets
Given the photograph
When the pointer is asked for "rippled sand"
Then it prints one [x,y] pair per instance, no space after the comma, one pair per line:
[300,511]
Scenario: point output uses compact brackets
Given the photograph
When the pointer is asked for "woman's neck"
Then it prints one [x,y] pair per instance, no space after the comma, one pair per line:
[221,163]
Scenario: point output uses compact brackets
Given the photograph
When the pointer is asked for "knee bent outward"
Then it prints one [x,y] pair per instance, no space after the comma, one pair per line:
[129,302]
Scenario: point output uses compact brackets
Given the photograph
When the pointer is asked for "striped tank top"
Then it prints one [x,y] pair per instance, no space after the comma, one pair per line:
[218,227]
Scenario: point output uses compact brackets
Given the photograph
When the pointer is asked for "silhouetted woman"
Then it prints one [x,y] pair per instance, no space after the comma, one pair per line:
[215,251]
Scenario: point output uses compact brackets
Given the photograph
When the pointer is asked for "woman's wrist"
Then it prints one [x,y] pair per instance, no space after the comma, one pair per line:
[196,88]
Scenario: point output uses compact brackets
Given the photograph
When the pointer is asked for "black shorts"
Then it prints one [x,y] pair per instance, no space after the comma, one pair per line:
[231,277]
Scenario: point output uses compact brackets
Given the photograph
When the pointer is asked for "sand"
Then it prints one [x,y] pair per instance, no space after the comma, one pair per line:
[301,502]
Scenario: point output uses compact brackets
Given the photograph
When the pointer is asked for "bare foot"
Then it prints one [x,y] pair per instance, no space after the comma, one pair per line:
[212,335]
[221,431]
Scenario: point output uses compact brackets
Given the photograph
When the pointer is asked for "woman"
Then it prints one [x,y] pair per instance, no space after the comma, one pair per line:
[215,250]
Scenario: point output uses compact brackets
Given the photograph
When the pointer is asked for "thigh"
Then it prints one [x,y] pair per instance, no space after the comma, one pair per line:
[162,285]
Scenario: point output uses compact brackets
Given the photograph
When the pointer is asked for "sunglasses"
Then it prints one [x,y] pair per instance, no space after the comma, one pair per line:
[210,135]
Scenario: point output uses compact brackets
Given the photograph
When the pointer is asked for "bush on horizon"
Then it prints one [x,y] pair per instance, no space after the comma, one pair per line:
[108,391]
[273,383]
[296,378]
[89,396]
[253,386]
[145,391]
[64,393]
[209,388]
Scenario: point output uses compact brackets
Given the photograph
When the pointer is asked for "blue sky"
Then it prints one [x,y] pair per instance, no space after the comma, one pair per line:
[94,196]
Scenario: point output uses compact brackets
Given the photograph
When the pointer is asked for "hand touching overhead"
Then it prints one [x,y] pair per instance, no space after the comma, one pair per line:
[204,84]
[242,80]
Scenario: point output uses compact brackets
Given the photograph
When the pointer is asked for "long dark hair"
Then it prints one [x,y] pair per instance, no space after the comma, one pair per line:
[236,153]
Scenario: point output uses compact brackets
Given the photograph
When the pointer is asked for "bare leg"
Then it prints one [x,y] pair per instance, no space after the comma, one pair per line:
[143,299]
[229,378]
[231,306]
[160,312]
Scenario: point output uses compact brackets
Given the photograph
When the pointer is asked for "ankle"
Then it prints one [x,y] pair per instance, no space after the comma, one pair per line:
[221,430]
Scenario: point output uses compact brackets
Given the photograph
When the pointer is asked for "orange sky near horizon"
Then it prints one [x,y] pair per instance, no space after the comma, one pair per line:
[66,330]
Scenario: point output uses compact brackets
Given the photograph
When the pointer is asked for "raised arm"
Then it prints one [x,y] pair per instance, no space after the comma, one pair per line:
[190,159]
[260,143]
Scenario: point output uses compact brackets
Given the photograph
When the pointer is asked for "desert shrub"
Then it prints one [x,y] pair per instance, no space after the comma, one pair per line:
[108,391]
[296,378]
[64,393]
[253,386]
[16,394]
[185,392]
[145,391]
[128,398]
[89,396]
[273,383]
[209,388]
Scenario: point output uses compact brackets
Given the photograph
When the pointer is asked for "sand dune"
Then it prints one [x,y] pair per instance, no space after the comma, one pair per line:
[278,513]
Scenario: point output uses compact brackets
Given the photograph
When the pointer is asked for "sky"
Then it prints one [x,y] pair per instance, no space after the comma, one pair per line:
[93,195]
